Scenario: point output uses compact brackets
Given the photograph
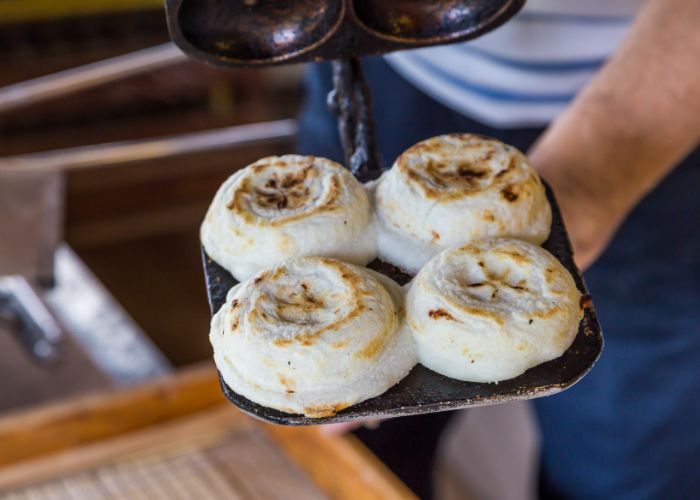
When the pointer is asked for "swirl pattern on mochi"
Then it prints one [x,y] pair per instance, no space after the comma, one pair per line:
[288,206]
[452,189]
[489,310]
[312,336]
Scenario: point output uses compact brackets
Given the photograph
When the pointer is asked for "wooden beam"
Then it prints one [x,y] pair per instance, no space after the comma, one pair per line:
[55,427]
[204,428]
[78,432]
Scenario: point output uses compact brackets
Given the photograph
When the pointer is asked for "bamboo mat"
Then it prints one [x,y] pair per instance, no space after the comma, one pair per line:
[244,465]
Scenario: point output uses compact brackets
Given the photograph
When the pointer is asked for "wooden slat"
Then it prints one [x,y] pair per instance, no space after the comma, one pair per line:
[204,428]
[53,437]
[218,453]
[341,465]
[59,426]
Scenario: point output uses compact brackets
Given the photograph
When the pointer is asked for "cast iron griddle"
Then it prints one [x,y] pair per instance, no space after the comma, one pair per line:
[424,391]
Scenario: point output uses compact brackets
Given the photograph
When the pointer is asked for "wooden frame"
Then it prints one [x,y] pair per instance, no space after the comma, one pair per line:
[58,439]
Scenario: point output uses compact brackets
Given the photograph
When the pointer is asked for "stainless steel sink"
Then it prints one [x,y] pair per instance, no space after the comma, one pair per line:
[68,339]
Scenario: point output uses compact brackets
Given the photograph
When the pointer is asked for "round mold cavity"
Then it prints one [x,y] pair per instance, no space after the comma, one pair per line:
[418,21]
[258,31]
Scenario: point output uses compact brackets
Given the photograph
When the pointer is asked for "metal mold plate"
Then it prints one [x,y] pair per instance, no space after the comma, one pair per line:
[253,33]
[424,391]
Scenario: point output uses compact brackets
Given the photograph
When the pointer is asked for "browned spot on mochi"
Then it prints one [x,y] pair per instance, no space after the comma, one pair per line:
[324,410]
[286,383]
[306,301]
[284,190]
[546,314]
[513,255]
[511,166]
[586,302]
[509,193]
[549,276]
[279,272]
[440,314]
[372,348]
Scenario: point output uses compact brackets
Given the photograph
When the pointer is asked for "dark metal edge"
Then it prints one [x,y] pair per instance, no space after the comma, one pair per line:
[350,37]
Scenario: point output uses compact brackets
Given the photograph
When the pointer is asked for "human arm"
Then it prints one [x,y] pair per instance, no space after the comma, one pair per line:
[637,118]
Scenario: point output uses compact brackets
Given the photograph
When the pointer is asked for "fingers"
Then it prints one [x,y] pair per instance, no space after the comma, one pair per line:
[343,427]
[372,424]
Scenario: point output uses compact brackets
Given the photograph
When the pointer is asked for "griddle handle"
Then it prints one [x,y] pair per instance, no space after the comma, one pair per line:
[351,101]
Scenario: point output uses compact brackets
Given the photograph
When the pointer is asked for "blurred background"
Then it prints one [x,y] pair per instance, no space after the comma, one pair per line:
[131,217]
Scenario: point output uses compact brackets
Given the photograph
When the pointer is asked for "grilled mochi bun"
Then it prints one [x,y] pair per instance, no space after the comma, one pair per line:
[489,310]
[453,189]
[312,336]
[288,206]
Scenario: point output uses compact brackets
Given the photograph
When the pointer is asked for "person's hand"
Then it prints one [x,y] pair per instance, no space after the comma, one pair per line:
[343,427]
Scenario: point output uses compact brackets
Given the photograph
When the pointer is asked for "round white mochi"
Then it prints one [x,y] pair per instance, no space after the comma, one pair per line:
[288,206]
[312,336]
[490,310]
[453,189]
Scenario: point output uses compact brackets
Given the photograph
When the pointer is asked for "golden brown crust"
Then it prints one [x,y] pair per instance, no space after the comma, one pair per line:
[513,254]
[549,275]
[440,314]
[287,383]
[443,173]
[314,339]
[504,283]
[324,410]
[548,313]
[285,189]
[374,346]
[510,193]
[303,303]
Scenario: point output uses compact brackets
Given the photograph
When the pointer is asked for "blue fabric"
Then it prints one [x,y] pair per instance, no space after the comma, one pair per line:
[631,428]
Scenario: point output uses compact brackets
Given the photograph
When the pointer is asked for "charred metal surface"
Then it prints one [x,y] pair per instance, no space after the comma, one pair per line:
[253,31]
[421,21]
[424,391]
[241,33]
